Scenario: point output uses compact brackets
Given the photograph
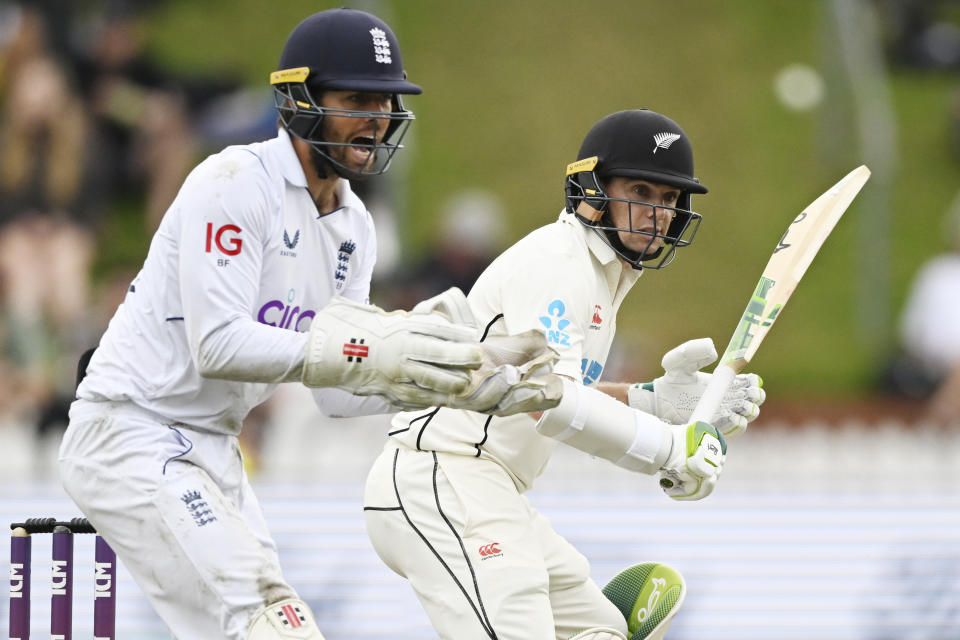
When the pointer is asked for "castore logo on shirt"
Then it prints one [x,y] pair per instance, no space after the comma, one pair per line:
[290,244]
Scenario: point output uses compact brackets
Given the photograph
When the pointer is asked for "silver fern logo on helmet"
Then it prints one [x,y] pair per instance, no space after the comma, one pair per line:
[664,140]
[381,46]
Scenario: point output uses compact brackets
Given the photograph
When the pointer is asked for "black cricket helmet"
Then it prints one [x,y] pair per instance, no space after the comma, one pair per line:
[342,50]
[642,144]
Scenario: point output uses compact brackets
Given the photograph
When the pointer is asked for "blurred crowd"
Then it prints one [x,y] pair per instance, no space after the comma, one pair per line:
[89,126]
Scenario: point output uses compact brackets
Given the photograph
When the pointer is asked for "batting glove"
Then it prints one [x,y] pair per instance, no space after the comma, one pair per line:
[414,360]
[674,396]
[696,458]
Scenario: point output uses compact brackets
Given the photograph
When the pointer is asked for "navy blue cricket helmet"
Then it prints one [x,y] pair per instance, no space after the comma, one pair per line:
[342,50]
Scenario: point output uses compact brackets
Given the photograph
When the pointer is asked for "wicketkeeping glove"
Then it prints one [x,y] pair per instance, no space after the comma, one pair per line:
[694,463]
[453,304]
[516,377]
[415,360]
[673,396]
[516,374]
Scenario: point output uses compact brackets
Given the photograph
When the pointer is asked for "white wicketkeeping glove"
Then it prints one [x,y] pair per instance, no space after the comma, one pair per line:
[516,377]
[673,396]
[453,304]
[414,360]
[517,371]
[696,459]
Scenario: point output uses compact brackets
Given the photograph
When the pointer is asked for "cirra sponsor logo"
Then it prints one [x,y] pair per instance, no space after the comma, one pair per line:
[277,313]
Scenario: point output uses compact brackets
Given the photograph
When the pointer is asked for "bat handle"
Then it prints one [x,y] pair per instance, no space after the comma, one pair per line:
[713,395]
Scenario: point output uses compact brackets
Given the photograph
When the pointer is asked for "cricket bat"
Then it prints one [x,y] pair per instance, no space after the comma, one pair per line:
[791,257]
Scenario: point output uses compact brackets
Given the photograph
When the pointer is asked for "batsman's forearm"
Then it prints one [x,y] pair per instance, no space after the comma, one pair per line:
[595,423]
[618,390]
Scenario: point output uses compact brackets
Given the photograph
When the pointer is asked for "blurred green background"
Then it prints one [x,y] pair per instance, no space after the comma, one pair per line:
[512,87]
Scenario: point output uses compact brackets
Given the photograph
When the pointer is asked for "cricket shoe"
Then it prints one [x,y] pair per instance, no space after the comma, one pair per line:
[648,595]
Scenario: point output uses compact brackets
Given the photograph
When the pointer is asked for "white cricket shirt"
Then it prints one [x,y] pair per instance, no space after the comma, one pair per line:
[562,279]
[237,269]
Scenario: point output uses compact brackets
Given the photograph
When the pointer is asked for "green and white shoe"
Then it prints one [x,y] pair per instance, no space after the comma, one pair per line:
[648,595]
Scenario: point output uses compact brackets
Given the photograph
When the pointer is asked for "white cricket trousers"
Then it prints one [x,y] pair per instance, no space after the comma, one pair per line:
[483,562]
[175,505]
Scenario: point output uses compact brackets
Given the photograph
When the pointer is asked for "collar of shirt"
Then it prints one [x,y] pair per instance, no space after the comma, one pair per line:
[620,278]
[292,171]
[289,162]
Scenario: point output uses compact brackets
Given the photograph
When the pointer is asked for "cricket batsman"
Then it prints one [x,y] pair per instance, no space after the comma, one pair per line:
[445,504]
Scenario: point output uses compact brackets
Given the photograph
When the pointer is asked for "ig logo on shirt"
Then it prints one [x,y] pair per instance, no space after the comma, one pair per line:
[226,239]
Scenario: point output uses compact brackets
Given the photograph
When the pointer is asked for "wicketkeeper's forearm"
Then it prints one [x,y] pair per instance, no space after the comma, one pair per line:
[249,351]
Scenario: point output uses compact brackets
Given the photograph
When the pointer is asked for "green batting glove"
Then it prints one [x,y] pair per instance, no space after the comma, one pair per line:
[696,459]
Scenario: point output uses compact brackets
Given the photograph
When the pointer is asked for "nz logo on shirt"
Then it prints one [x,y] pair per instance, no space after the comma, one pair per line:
[290,244]
[343,262]
[554,324]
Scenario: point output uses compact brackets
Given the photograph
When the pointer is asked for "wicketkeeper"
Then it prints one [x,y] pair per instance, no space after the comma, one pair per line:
[259,274]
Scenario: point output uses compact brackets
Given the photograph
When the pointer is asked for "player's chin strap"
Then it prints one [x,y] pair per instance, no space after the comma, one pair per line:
[289,619]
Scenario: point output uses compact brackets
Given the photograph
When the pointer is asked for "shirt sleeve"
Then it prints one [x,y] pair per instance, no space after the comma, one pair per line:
[224,207]
[549,296]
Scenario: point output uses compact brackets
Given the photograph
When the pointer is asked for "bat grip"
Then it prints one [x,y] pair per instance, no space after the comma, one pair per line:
[713,395]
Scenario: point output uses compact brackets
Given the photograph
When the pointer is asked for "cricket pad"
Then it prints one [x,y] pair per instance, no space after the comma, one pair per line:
[646,594]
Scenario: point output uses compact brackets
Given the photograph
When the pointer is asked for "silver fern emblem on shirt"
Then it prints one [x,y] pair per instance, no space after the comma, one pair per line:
[664,140]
